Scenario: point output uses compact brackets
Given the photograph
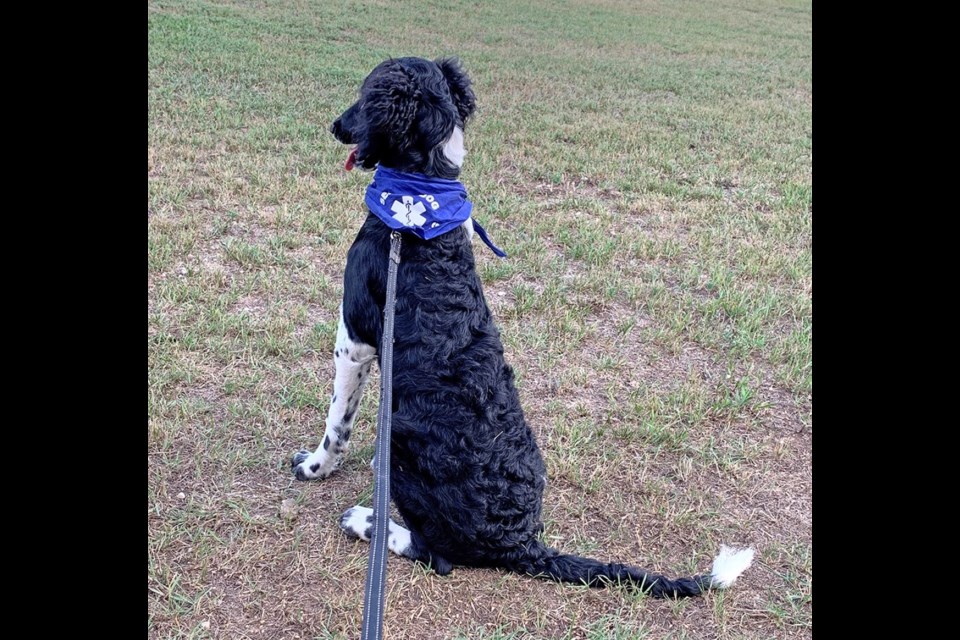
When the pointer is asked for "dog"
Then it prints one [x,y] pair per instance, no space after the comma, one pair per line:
[467,476]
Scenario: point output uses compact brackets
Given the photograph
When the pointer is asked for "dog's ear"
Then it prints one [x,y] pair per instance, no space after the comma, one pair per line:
[459,83]
[389,102]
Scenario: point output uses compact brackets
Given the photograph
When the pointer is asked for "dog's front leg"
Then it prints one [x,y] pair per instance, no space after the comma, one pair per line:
[353,361]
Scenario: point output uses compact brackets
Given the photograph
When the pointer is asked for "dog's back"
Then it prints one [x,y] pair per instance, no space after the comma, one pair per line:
[466,471]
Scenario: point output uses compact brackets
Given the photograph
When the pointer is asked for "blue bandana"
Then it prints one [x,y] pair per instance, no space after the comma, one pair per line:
[426,207]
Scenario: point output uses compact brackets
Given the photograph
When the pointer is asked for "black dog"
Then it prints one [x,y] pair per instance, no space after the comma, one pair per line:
[467,475]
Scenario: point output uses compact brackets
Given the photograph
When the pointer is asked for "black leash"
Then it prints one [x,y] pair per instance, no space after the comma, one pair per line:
[376,586]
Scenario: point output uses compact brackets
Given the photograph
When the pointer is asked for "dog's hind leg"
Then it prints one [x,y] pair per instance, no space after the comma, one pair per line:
[357,522]
[353,361]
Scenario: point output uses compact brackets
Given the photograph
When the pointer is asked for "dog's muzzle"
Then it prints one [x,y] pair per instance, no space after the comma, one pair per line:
[340,133]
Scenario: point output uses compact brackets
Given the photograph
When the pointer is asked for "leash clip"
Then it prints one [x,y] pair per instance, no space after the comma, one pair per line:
[395,246]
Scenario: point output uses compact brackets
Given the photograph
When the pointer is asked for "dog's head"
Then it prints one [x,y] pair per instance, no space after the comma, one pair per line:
[410,117]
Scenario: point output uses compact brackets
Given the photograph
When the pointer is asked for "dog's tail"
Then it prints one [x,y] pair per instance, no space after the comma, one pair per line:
[543,561]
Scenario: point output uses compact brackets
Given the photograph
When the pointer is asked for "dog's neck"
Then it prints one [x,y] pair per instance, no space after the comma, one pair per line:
[421,205]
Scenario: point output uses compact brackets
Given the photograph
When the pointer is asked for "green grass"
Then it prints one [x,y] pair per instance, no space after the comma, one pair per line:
[647,167]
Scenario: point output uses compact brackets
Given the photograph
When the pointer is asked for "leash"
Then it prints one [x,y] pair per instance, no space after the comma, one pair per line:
[376,585]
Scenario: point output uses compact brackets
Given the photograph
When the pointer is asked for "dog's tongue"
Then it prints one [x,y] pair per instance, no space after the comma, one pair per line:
[351,159]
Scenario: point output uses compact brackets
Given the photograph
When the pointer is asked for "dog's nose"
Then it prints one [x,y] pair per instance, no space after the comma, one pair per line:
[340,133]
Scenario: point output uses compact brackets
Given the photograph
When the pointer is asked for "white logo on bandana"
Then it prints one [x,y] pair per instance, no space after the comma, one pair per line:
[408,212]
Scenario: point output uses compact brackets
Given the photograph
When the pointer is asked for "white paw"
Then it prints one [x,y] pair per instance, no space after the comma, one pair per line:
[358,522]
[310,466]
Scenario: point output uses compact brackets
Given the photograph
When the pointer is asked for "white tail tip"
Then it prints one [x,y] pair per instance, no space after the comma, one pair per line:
[728,566]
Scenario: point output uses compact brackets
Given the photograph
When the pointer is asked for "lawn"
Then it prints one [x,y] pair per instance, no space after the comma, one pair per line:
[647,166]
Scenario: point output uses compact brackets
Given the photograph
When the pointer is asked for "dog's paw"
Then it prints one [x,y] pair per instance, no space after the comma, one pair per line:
[357,522]
[299,457]
[306,466]
[441,566]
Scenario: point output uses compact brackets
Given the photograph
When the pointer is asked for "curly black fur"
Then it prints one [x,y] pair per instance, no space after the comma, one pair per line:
[408,108]
[467,475]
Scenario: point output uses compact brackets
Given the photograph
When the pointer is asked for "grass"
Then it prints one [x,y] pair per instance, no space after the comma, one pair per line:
[647,167]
